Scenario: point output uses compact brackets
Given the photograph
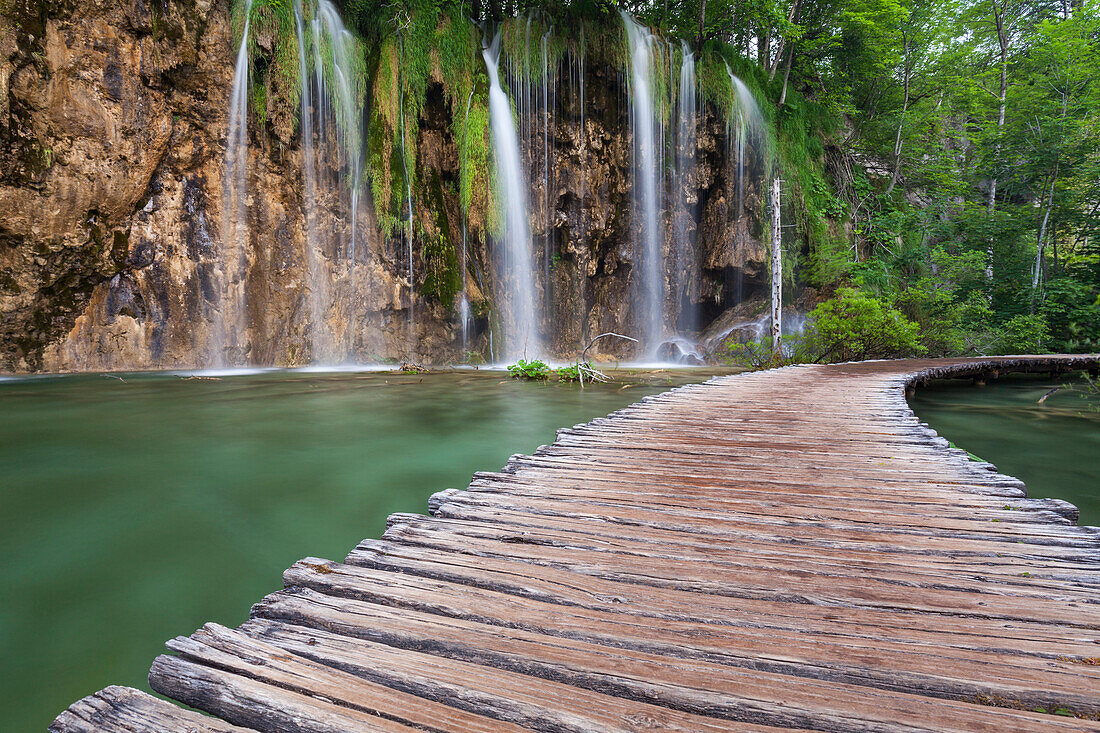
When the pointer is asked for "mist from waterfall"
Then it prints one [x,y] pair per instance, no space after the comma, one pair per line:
[646,227]
[517,286]
[228,326]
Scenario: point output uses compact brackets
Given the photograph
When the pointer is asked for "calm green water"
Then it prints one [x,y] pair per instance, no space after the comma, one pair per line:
[133,511]
[1053,447]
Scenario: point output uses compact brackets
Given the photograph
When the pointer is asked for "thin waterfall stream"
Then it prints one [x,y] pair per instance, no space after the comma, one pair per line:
[687,262]
[228,327]
[519,304]
[647,232]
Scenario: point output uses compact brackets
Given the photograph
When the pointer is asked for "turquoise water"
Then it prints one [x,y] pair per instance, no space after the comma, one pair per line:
[1053,447]
[133,510]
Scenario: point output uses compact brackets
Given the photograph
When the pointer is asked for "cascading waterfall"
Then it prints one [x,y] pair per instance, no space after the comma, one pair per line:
[687,260]
[228,327]
[407,226]
[547,123]
[517,287]
[647,175]
[348,105]
[663,108]
[332,94]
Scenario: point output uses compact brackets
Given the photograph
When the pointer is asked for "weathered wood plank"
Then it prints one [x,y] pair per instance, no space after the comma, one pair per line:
[426,689]
[126,710]
[718,598]
[635,682]
[581,648]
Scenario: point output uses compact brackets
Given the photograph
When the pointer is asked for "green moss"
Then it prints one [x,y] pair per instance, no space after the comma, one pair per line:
[801,127]
[473,146]
[258,102]
[272,47]
[437,45]
[442,279]
[522,47]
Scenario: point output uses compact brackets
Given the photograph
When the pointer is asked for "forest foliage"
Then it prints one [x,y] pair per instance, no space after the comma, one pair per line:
[940,158]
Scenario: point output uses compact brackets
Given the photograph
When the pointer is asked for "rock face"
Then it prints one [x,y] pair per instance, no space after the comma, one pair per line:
[113,120]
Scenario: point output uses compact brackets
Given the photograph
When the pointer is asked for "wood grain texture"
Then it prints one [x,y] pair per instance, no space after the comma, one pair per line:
[779,550]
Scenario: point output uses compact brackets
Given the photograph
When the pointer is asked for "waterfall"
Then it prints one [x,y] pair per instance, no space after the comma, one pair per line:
[547,122]
[229,327]
[687,260]
[749,121]
[463,299]
[407,225]
[332,159]
[516,289]
[317,299]
[650,287]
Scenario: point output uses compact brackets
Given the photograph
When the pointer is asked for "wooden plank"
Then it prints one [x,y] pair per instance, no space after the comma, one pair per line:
[692,692]
[719,598]
[906,661]
[596,648]
[685,563]
[117,709]
[425,689]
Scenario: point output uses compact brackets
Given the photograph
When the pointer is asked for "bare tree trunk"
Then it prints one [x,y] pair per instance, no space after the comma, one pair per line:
[1046,216]
[1042,239]
[1002,40]
[782,40]
[777,267]
[786,77]
[906,72]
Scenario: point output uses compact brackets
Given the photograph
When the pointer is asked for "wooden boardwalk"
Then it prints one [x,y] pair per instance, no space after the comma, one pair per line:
[782,549]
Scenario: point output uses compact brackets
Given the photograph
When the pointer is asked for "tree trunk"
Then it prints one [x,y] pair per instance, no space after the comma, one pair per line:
[786,77]
[1002,41]
[1046,216]
[901,122]
[1042,239]
[782,41]
[777,268]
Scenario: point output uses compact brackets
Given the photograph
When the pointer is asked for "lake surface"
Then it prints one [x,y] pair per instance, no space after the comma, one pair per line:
[134,509]
[1053,447]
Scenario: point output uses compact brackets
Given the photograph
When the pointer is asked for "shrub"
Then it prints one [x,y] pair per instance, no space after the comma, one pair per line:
[535,369]
[852,326]
[1022,335]
[571,373]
